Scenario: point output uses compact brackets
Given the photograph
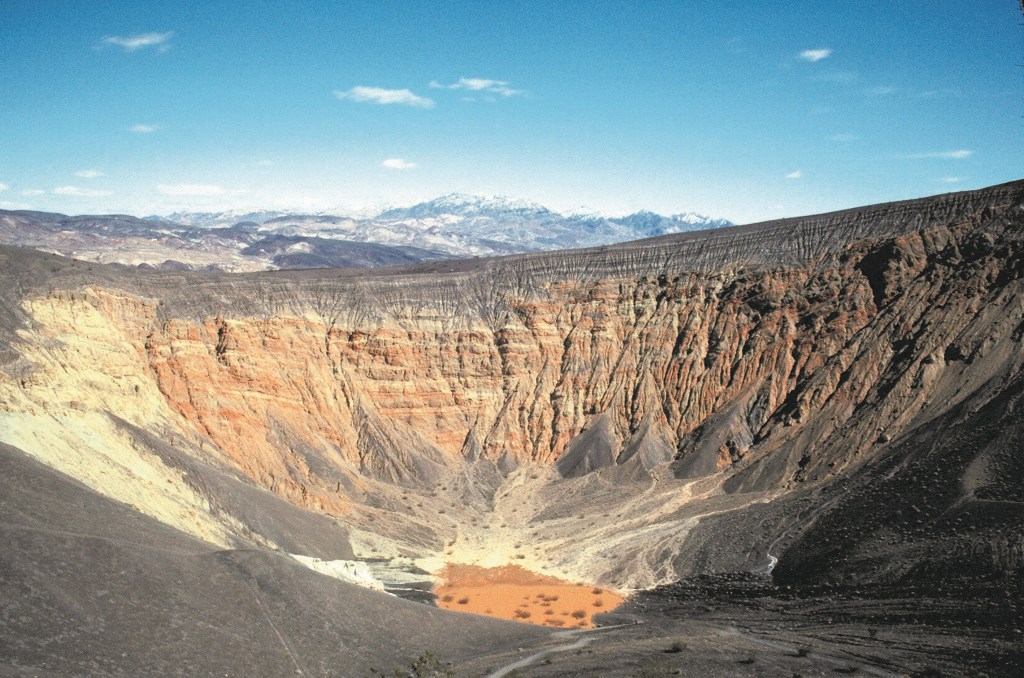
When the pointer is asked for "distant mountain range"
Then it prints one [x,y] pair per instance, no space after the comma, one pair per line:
[451,226]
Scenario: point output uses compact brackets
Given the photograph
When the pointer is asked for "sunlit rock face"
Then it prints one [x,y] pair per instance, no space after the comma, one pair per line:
[623,415]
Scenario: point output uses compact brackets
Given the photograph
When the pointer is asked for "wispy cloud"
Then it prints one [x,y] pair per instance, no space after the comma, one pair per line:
[76,192]
[813,55]
[950,180]
[130,43]
[795,174]
[89,174]
[143,129]
[939,155]
[398,164]
[29,192]
[940,93]
[4,187]
[190,190]
[499,87]
[881,91]
[379,95]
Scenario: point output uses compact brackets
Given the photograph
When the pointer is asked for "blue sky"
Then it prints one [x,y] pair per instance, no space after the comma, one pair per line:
[747,111]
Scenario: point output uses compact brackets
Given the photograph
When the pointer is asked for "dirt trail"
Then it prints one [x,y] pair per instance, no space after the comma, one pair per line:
[537,656]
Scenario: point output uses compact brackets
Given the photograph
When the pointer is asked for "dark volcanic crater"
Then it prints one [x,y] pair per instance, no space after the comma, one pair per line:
[797,445]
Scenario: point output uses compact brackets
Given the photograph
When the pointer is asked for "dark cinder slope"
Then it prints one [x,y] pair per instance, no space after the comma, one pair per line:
[257,512]
[944,509]
[91,587]
[307,252]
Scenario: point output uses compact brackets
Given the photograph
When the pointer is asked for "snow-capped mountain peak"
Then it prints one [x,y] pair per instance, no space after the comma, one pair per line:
[695,218]
[459,224]
[465,205]
[486,202]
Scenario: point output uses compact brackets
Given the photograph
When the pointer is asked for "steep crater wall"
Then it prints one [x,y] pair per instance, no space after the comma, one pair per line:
[626,415]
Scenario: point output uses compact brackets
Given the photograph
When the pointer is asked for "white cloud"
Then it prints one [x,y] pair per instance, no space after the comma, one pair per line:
[89,174]
[379,95]
[133,42]
[477,84]
[190,190]
[795,174]
[143,129]
[398,164]
[4,187]
[940,155]
[29,192]
[950,180]
[499,87]
[76,192]
[813,55]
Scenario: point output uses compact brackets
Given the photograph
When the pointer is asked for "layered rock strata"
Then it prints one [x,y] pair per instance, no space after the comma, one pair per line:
[594,407]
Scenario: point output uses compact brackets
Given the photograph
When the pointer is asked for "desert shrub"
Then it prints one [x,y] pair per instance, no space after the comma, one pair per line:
[579,614]
[427,665]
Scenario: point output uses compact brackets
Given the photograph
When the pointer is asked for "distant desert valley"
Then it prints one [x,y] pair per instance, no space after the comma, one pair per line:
[480,438]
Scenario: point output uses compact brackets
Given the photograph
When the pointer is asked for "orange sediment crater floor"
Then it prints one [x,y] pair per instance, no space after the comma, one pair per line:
[512,592]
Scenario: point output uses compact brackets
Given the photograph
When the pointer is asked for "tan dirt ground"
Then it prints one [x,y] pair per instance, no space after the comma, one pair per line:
[512,592]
